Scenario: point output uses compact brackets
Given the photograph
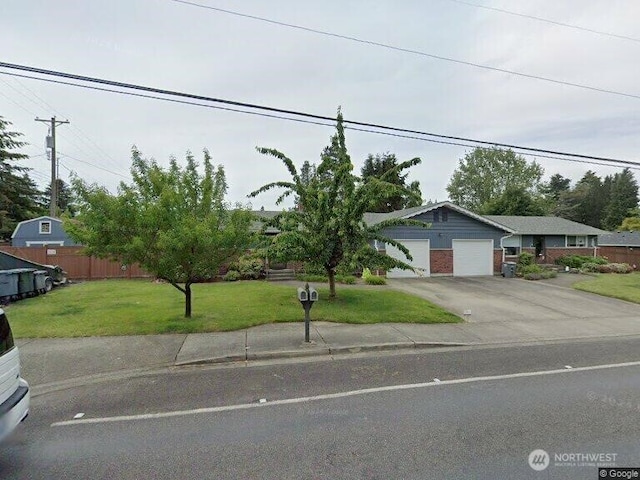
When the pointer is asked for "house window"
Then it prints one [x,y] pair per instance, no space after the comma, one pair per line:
[512,251]
[45,228]
[445,215]
[576,240]
[436,216]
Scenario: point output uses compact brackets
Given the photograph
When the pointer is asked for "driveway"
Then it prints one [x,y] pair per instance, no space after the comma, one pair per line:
[527,305]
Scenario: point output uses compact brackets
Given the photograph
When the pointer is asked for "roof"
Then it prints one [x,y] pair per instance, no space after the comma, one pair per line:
[619,239]
[45,217]
[375,218]
[538,225]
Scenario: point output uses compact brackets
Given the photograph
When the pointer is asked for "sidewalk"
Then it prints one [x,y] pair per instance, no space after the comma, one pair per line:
[46,360]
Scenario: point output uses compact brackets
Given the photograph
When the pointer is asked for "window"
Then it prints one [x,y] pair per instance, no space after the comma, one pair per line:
[6,339]
[45,228]
[576,240]
[445,215]
[436,216]
[511,251]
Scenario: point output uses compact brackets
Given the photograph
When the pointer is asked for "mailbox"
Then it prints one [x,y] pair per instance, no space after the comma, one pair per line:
[307,296]
[302,294]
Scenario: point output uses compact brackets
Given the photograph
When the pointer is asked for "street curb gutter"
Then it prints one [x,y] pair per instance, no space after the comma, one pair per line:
[326,350]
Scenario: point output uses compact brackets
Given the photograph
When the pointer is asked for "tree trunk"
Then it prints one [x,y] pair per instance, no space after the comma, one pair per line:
[187,300]
[331,273]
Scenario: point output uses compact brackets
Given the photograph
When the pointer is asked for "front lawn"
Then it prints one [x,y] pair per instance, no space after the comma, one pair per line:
[622,286]
[142,307]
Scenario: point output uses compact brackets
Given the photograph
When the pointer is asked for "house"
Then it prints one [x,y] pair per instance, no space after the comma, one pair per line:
[459,242]
[621,247]
[548,237]
[39,232]
[463,243]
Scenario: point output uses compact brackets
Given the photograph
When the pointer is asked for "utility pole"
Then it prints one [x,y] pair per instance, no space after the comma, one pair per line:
[54,163]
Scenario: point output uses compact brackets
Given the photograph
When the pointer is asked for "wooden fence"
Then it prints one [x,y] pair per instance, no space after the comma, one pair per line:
[77,265]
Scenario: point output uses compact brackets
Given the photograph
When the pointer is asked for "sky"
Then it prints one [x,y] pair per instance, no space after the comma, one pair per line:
[177,46]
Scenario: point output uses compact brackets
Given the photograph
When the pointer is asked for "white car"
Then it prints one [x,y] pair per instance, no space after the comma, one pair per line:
[14,390]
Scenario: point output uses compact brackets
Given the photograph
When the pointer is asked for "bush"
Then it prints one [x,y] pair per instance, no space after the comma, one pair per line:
[346,279]
[621,268]
[250,268]
[577,261]
[525,270]
[590,267]
[373,280]
[541,275]
[232,276]
[525,258]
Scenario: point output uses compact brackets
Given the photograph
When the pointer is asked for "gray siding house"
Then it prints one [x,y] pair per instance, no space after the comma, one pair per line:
[41,231]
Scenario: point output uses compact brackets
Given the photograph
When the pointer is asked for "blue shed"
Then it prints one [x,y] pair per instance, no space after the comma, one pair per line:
[39,232]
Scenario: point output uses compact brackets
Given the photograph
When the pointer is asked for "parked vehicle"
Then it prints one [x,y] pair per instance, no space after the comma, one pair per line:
[14,390]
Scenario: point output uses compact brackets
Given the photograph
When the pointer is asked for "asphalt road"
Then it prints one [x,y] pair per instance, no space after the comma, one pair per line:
[317,422]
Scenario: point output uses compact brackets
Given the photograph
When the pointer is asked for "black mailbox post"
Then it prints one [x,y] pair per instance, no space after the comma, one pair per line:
[307,296]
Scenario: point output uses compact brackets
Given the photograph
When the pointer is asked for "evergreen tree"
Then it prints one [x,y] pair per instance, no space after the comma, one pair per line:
[385,167]
[622,199]
[18,193]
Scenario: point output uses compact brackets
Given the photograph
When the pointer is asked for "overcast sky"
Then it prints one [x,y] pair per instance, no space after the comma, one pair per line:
[174,46]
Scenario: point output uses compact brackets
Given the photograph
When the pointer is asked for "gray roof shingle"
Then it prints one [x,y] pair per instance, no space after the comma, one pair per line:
[536,225]
[619,239]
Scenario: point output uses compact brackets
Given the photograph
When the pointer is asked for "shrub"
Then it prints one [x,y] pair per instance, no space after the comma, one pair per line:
[250,268]
[373,280]
[577,261]
[590,267]
[528,269]
[525,258]
[346,279]
[533,276]
[549,274]
[621,268]
[232,276]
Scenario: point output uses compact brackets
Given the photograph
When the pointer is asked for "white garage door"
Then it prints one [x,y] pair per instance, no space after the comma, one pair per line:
[419,250]
[472,258]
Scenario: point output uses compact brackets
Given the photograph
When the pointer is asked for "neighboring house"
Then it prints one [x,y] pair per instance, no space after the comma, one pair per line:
[39,232]
[621,247]
[548,237]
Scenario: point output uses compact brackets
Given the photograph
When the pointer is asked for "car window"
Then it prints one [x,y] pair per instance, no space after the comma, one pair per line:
[6,337]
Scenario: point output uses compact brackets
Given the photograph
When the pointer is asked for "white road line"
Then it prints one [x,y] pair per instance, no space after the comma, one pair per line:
[330,396]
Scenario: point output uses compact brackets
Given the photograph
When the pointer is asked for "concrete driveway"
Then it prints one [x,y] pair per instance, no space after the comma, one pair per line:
[516,305]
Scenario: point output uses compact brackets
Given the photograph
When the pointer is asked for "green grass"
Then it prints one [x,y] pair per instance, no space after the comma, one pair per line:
[621,286]
[142,307]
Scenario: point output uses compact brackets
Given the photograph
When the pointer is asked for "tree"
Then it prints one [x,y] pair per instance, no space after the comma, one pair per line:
[586,202]
[514,201]
[173,222]
[623,199]
[384,166]
[328,230]
[629,224]
[18,193]
[66,201]
[485,173]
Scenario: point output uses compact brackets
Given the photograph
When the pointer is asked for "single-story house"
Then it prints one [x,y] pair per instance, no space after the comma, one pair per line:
[463,243]
[41,231]
[621,247]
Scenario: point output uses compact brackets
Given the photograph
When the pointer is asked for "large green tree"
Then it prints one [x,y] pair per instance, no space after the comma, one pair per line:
[385,167]
[328,228]
[18,193]
[622,199]
[585,203]
[515,201]
[485,173]
[174,222]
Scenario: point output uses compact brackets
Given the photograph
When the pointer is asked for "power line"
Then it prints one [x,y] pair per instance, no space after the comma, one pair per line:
[408,50]
[281,111]
[546,20]
[95,166]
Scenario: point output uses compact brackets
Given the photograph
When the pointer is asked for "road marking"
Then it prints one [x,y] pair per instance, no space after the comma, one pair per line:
[330,396]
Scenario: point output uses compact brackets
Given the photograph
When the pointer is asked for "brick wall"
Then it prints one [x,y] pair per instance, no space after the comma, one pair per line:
[630,255]
[441,261]
[551,254]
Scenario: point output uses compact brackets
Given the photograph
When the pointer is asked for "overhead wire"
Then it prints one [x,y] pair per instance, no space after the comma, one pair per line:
[408,50]
[295,113]
[547,20]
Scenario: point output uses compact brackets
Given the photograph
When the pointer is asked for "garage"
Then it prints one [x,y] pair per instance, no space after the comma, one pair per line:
[472,257]
[419,250]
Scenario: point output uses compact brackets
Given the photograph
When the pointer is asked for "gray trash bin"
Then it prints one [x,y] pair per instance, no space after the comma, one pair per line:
[8,286]
[509,269]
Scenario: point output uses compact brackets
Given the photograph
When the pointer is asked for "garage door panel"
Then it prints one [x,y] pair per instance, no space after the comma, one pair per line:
[419,250]
[472,257]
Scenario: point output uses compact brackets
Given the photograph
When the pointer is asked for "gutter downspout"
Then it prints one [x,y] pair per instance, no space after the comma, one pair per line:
[504,255]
